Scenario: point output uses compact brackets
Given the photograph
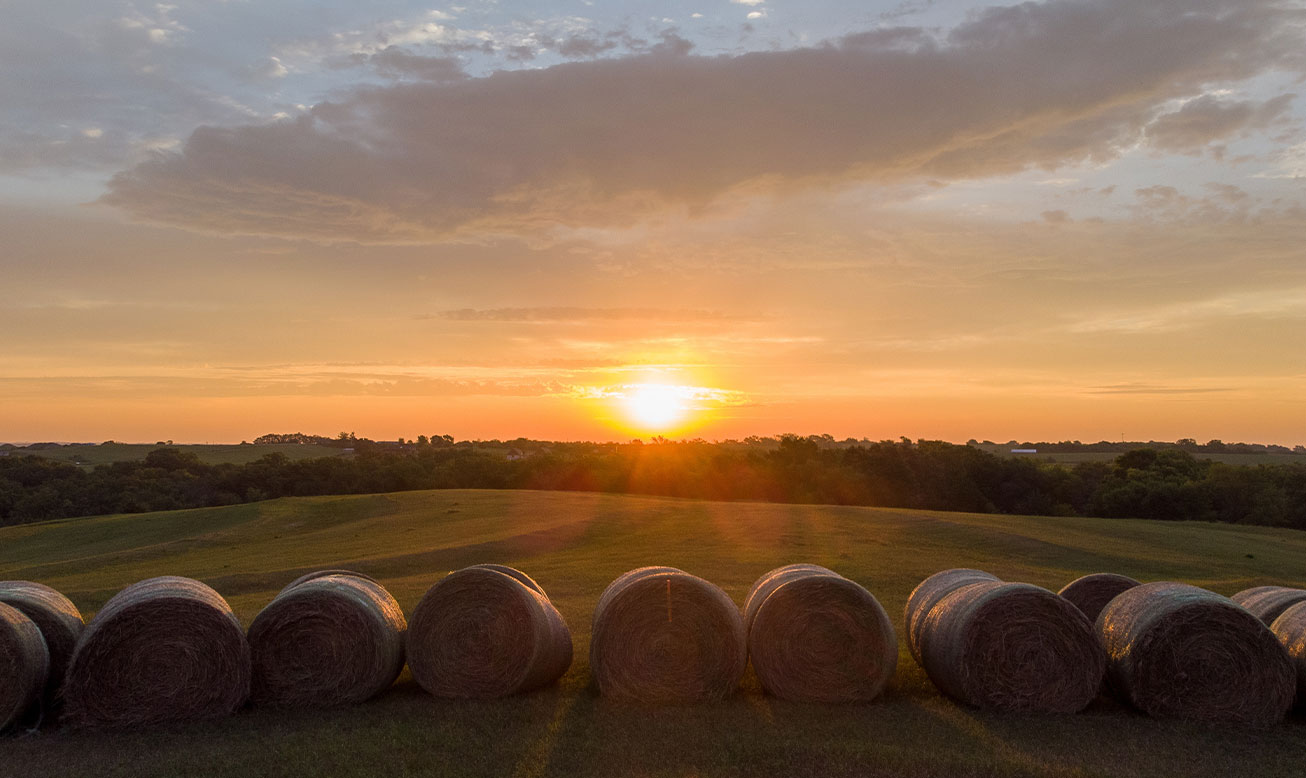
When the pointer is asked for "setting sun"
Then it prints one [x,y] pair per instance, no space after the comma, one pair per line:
[656,407]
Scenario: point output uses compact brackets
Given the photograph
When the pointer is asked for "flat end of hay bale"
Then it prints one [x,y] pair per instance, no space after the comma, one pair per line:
[162,650]
[58,619]
[334,639]
[1012,647]
[662,635]
[1290,629]
[1178,651]
[480,633]
[819,637]
[24,665]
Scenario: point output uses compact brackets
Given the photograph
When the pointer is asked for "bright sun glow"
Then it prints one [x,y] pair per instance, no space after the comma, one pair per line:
[656,407]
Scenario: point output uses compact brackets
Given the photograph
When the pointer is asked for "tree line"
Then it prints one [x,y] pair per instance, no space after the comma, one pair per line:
[1155,483]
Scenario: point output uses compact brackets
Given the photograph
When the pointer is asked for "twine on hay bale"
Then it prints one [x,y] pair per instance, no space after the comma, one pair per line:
[334,639]
[928,593]
[482,633]
[1012,647]
[24,665]
[161,650]
[815,636]
[1268,602]
[58,619]
[1290,629]
[1090,593]
[1178,651]
[662,635]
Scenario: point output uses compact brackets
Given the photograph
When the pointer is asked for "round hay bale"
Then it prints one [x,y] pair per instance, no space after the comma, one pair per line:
[162,650]
[58,619]
[512,572]
[1090,593]
[928,593]
[323,573]
[1178,651]
[662,635]
[1290,629]
[815,636]
[762,587]
[480,633]
[24,665]
[329,640]
[1268,602]
[1012,647]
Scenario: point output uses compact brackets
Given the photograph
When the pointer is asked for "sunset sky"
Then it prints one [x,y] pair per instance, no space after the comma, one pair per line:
[1072,219]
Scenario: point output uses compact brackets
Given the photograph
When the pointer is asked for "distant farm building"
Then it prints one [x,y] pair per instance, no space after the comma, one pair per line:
[1024,451]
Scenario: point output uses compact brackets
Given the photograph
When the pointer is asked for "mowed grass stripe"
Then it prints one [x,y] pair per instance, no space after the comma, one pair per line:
[574,544]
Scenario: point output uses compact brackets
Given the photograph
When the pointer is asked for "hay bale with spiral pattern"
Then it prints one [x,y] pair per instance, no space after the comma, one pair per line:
[1177,651]
[1290,629]
[326,640]
[162,650]
[1090,593]
[928,593]
[1011,647]
[815,636]
[24,666]
[58,619]
[481,633]
[662,635]
[1268,602]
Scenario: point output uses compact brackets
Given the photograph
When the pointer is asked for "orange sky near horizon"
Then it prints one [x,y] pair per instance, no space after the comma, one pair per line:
[1057,220]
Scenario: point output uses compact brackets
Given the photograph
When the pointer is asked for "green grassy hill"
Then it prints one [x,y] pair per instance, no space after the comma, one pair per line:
[574,544]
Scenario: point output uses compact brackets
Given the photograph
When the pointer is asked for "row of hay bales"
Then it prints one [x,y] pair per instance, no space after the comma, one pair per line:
[1169,649]
[170,648]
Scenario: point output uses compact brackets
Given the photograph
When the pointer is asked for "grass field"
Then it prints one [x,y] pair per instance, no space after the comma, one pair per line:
[216,454]
[574,544]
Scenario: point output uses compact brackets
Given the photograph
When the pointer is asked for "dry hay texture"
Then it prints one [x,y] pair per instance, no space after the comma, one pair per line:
[815,636]
[1011,647]
[1268,602]
[24,665]
[1178,651]
[1290,629]
[322,574]
[161,650]
[928,593]
[662,635]
[58,619]
[486,631]
[330,639]
[1090,593]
